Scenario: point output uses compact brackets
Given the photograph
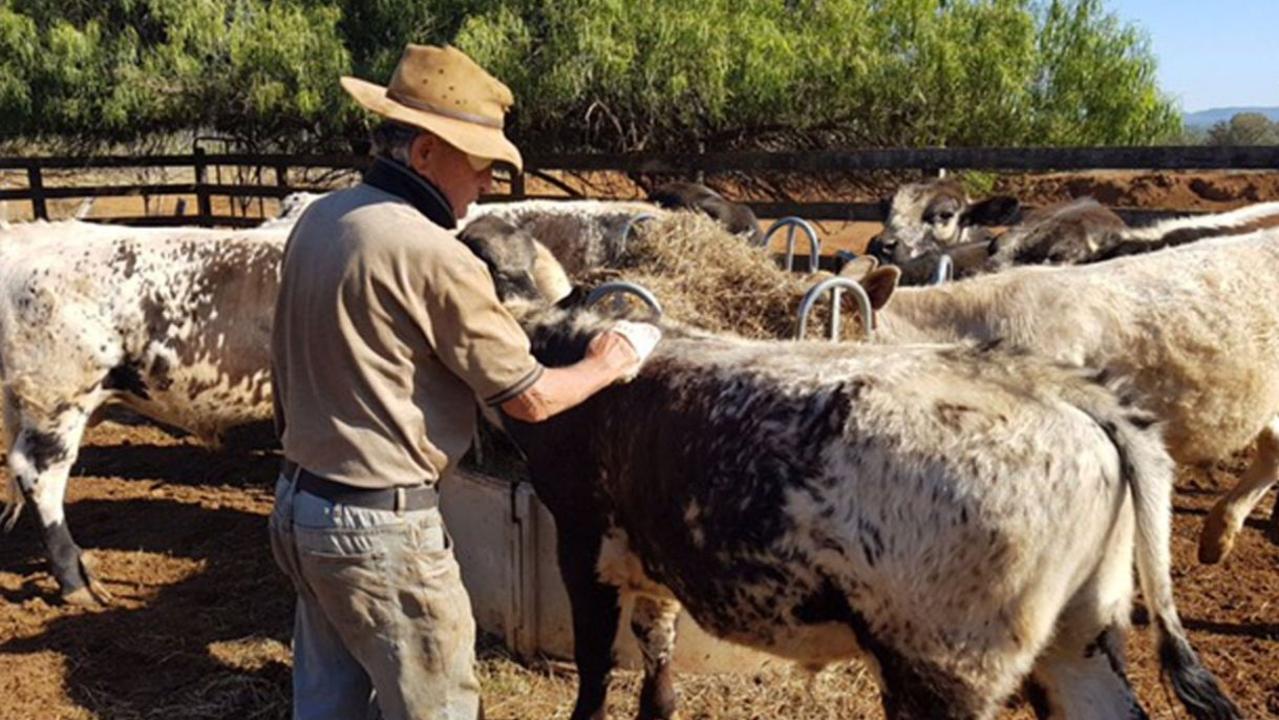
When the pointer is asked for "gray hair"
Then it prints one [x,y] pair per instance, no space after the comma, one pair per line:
[393,141]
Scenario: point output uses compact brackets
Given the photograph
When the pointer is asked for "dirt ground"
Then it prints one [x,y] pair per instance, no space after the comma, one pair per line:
[201,622]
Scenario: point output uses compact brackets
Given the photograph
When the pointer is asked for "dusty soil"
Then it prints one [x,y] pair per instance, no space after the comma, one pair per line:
[202,618]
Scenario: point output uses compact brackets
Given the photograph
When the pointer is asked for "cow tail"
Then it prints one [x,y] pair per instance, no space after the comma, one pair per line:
[13,504]
[1148,472]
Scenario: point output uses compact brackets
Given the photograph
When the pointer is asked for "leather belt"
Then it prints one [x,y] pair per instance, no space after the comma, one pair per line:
[407,499]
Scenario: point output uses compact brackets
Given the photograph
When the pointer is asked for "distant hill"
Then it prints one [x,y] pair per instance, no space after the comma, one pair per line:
[1208,118]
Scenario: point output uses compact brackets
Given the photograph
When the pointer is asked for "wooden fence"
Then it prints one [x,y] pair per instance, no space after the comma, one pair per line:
[928,160]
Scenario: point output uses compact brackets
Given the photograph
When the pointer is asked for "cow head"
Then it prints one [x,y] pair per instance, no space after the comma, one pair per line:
[932,216]
[524,271]
[735,217]
[1063,234]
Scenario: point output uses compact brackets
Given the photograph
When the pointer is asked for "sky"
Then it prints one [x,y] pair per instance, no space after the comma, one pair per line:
[1212,53]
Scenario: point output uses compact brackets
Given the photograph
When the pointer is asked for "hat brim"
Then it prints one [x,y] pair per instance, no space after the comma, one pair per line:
[470,138]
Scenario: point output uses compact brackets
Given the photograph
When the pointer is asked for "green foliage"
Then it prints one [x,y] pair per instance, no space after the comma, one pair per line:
[1244,129]
[594,74]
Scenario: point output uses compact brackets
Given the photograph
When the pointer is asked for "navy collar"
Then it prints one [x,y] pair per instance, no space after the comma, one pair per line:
[400,181]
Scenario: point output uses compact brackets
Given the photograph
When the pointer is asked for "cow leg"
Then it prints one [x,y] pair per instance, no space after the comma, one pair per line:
[1082,673]
[596,616]
[653,624]
[1228,515]
[41,452]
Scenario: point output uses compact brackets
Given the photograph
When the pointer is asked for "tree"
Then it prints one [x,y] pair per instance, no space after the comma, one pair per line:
[1248,128]
[593,74]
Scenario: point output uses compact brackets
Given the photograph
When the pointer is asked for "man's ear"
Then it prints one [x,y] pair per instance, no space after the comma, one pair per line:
[421,146]
[998,210]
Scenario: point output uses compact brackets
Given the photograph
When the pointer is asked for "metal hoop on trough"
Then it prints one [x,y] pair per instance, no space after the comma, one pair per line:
[945,269]
[836,286]
[634,220]
[814,245]
[622,287]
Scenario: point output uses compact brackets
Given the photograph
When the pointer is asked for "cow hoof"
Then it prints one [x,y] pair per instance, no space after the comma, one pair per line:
[81,597]
[93,593]
[1215,541]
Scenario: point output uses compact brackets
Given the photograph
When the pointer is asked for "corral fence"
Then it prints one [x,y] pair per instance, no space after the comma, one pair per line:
[274,174]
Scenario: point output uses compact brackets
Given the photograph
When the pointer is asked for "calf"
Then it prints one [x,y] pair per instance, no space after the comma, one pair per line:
[963,517]
[933,216]
[1195,328]
[172,322]
[737,218]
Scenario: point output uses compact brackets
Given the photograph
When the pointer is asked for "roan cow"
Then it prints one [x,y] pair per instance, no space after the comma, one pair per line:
[1195,328]
[964,517]
[172,322]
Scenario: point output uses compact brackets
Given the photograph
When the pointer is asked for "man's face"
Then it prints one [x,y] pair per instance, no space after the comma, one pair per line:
[451,170]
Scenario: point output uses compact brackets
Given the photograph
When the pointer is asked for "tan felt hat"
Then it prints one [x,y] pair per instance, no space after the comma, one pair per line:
[443,91]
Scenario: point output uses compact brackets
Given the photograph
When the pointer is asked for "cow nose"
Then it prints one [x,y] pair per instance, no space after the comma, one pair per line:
[879,249]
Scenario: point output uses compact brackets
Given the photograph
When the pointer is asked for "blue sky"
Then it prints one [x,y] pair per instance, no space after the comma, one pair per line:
[1212,53]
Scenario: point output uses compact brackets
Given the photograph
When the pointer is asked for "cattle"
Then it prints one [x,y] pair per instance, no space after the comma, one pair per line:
[930,217]
[1194,328]
[925,221]
[1062,234]
[582,234]
[964,517]
[171,322]
[737,218]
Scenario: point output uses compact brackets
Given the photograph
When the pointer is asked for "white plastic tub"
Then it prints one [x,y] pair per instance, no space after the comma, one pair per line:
[505,543]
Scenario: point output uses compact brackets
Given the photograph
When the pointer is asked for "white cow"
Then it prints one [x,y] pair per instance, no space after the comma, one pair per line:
[1195,328]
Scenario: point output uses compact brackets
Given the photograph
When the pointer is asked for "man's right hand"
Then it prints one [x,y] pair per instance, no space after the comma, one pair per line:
[613,355]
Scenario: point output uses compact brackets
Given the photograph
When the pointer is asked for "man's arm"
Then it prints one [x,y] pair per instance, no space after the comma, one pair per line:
[609,358]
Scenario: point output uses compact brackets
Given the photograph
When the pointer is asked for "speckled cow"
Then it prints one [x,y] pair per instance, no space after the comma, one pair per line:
[963,517]
[173,322]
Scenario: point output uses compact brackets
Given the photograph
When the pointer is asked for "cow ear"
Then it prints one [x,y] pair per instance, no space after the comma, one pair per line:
[575,298]
[879,284]
[998,210]
[885,205]
[859,267]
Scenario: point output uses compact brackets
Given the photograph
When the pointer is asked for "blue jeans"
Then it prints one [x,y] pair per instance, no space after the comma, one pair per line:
[383,624]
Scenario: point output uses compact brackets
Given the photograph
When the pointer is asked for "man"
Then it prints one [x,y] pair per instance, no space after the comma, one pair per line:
[387,330]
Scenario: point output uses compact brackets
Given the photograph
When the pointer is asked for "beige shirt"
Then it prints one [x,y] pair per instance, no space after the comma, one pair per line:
[387,331]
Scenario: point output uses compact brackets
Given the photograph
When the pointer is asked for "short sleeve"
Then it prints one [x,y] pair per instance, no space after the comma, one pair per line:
[469,329]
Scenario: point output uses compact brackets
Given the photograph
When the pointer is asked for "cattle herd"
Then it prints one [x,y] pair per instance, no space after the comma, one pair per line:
[960,499]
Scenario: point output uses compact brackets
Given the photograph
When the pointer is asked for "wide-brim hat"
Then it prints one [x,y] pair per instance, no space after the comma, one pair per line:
[443,91]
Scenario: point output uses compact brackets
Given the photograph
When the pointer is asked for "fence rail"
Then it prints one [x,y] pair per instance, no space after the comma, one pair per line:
[38,193]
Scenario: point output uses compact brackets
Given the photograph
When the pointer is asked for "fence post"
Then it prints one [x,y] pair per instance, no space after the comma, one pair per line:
[34,181]
[517,184]
[203,206]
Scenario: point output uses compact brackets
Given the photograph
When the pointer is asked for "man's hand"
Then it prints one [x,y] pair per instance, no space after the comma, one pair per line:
[613,355]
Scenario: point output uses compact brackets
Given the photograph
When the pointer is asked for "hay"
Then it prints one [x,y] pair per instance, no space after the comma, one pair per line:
[708,278]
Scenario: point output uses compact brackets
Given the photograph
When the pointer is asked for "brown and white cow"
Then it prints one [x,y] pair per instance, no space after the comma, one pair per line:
[963,517]
[1195,328]
[172,322]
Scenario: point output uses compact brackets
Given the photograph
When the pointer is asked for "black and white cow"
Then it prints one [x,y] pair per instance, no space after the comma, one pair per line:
[963,517]
[172,322]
